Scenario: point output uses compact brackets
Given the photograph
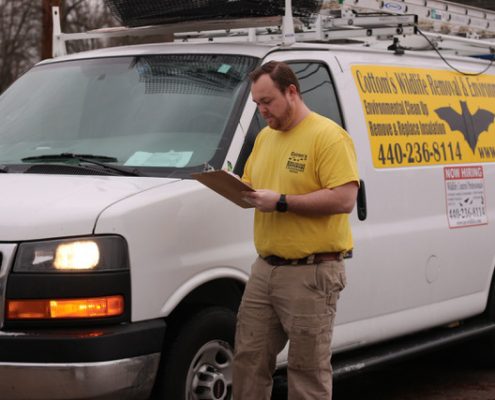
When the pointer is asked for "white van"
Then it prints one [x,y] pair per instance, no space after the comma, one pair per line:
[121,275]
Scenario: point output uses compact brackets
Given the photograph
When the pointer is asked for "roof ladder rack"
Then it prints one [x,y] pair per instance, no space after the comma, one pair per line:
[440,15]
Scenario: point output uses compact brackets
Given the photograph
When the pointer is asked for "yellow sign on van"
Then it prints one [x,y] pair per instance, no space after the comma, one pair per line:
[424,117]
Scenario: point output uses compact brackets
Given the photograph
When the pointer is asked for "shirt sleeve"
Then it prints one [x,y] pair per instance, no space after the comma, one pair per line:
[337,164]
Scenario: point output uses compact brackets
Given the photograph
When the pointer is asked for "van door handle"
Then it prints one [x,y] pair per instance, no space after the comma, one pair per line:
[362,210]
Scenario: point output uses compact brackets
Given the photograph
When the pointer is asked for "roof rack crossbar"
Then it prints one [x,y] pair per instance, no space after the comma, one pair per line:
[473,42]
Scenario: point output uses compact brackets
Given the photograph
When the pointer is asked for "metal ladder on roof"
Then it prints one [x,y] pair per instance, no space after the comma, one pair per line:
[454,18]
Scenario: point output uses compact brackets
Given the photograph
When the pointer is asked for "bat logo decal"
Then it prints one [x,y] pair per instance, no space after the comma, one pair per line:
[470,125]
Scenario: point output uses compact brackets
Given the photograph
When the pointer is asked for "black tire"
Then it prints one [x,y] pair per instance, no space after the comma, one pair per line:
[198,363]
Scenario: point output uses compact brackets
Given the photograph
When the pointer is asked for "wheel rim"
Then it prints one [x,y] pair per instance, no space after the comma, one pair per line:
[210,373]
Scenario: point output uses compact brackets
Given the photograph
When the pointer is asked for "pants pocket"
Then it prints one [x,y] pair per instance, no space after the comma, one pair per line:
[330,277]
[310,338]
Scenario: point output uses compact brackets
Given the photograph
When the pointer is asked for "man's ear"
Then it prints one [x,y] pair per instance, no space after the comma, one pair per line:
[293,90]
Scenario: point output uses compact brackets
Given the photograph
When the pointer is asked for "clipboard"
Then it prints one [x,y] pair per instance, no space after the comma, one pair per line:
[226,185]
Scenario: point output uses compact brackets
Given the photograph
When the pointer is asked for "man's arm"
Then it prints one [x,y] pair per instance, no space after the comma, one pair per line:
[338,200]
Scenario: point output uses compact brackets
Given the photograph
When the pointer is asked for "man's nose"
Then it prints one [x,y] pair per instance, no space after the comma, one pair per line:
[263,109]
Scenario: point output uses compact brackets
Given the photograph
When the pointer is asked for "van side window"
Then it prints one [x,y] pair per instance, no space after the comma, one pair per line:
[318,92]
[317,89]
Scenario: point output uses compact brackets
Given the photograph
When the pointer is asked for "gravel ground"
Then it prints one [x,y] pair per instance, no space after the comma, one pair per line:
[452,374]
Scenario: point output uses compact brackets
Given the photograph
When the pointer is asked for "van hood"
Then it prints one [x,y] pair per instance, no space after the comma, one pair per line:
[36,206]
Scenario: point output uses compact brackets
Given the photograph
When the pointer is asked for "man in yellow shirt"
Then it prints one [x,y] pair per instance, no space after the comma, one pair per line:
[303,167]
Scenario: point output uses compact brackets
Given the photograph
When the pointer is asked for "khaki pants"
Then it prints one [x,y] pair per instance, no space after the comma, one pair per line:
[280,303]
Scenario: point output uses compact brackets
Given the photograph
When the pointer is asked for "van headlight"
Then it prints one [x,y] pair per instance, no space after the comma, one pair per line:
[84,254]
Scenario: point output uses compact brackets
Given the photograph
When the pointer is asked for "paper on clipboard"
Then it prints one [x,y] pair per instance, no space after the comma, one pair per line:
[226,185]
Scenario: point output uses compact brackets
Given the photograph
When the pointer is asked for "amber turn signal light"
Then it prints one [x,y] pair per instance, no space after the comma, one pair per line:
[96,307]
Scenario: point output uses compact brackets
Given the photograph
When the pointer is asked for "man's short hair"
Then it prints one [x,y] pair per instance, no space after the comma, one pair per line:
[280,73]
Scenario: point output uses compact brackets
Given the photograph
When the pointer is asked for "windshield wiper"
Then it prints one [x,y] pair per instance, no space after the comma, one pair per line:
[69,156]
[86,158]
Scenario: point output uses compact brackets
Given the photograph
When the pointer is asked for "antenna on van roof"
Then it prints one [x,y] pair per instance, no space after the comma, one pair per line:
[288,33]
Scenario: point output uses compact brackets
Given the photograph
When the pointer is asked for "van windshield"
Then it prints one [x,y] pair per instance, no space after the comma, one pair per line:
[161,114]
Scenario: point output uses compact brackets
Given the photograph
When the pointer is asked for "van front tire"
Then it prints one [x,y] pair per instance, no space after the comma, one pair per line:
[198,363]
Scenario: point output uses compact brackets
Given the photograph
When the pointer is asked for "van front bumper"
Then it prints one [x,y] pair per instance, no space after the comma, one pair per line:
[99,364]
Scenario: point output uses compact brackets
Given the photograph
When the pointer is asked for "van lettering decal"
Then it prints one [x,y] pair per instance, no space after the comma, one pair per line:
[426,117]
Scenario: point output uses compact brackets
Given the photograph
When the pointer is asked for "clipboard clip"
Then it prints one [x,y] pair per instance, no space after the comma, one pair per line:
[207,167]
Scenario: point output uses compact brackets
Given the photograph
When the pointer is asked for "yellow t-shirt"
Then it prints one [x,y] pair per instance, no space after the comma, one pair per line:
[315,154]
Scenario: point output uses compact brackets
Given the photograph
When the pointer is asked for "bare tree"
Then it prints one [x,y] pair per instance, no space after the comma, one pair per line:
[21,27]
[19,38]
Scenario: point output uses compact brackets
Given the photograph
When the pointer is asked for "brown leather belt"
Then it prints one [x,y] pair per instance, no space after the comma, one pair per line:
[312,259]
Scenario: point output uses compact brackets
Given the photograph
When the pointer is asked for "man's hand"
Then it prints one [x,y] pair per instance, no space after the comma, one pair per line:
[263,199]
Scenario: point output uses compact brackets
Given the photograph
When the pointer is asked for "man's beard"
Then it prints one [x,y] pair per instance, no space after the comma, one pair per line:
[280,123]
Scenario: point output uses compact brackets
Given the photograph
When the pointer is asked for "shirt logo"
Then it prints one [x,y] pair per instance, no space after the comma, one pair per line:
[297,162]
